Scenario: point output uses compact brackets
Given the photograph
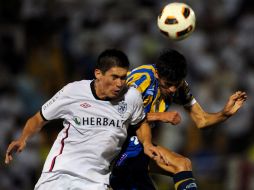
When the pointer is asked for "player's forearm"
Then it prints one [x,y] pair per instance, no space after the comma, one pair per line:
[204,119]
[155,116]
[214,118]
[209,119]
[32,126]
[144,134]
[172,117]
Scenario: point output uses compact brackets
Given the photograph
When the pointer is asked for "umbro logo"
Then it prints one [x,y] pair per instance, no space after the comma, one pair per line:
[85,105]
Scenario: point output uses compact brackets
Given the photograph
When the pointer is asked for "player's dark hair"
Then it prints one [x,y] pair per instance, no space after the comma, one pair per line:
[171,66]
[112,58]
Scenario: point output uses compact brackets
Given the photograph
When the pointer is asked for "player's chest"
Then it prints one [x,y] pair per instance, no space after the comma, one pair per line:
[102,109]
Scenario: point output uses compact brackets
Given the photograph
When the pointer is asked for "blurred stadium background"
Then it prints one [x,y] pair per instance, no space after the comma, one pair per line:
[45,44]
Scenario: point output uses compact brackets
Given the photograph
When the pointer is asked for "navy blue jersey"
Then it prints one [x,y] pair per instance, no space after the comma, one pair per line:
[131,167]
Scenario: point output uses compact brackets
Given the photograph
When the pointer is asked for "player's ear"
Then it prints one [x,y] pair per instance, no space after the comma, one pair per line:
[97,73]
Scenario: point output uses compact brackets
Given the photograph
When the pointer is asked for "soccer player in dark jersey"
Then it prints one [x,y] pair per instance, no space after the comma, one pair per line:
[161,85]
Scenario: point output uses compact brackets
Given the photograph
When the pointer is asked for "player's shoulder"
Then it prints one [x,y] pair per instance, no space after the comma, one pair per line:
[76,86]
[184,95]
[149,68]
[141,74]
[133,94]
[133,91]
[185,88]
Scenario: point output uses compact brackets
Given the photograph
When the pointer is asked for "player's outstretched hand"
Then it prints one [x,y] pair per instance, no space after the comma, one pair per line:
[15,146]
[234,103]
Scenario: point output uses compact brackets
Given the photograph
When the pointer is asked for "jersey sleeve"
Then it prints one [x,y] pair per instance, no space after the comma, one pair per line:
[183,96]
[143,79]
[138,109]
[54,108]
[140,81]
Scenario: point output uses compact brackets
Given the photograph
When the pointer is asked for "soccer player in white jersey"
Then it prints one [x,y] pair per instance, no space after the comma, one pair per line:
[96,117]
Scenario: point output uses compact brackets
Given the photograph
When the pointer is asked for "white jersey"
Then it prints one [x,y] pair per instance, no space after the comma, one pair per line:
[94,130]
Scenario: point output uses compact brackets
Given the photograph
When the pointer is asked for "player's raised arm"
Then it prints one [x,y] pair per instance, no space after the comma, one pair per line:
[203,119]
[32,126]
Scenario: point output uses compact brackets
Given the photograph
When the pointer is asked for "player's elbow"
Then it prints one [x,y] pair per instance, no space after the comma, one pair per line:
[201,125]
[202,120]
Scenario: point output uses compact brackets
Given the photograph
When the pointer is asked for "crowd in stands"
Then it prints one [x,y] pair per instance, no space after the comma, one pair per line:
[45,44]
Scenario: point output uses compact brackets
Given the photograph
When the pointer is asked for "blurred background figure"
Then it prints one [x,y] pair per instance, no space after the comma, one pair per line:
[43,42]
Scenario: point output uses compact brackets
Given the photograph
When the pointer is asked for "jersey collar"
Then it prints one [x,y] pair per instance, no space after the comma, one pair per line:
[92,85]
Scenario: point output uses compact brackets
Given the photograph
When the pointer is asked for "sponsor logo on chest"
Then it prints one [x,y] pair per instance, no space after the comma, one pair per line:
[98,122]
[100,117]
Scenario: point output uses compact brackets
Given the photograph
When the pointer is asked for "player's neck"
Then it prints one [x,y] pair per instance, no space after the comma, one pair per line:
[99,91]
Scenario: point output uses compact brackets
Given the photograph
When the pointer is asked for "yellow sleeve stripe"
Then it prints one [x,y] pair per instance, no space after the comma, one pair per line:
[179,182]
[141,81]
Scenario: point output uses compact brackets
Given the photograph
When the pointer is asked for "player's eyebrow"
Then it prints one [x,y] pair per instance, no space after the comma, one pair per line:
[178,83]
[119,76]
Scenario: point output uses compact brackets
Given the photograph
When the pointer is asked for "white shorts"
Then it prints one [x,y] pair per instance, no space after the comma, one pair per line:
[58,181]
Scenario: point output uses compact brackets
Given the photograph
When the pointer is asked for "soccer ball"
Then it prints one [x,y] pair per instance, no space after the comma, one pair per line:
[176,21]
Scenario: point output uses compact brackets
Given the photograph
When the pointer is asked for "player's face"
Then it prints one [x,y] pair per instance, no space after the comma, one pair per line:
[168,88]
[112,82]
